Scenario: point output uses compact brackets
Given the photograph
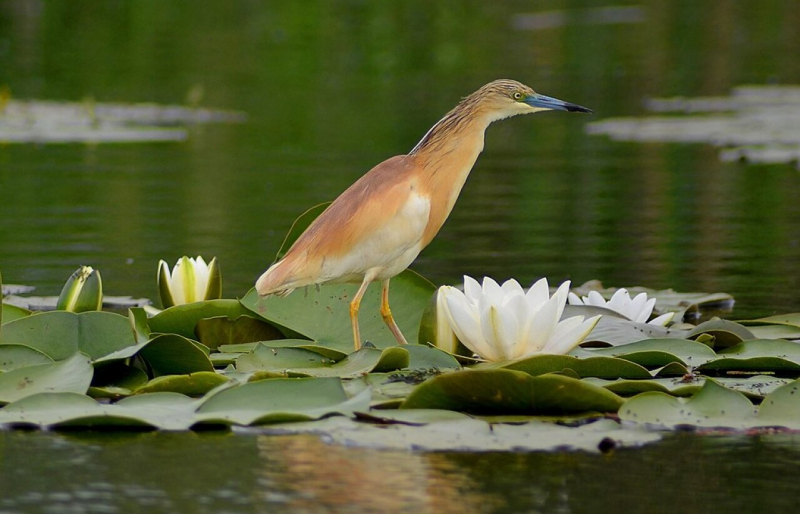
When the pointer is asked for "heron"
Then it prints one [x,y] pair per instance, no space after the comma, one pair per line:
[376,228]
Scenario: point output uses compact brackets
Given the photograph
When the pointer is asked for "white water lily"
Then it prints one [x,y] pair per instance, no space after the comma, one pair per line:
[191,280]
[505,323]
[637,309]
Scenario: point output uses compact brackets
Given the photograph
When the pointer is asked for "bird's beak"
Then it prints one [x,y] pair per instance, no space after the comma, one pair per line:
[547,102]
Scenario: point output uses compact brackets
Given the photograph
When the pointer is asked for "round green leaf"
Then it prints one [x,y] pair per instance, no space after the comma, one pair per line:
[73,374]
[280,400]
[14,356]
[323,314]
[507,391]
[220,330]
[713,406]
[60,334]
[193,384]
[601,367]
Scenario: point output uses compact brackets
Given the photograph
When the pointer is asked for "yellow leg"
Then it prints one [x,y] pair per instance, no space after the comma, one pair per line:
[354,305]
[386,313]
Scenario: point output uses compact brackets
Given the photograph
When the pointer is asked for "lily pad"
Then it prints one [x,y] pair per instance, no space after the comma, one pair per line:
[280,400]
[60,334]
[323,314]
[757,355]
[220,330]
[713,406]
[726,333]
[193,384]
[167,411]
[612,331]
[166,354]
[73,374]
[15,356]
[655,352]
[264,358]
[183,319]
[304,344]
[791,319]
[10,312]
[509,392]
[363,361]
[602,367]
[467,434]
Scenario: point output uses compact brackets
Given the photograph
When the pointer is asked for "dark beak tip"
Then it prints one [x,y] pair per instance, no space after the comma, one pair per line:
[578,108]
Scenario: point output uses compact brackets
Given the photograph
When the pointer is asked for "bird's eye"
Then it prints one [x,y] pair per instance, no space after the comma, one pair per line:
[517,96]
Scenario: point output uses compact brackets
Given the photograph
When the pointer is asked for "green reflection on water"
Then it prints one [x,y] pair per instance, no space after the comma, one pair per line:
[213,472]
[334,88]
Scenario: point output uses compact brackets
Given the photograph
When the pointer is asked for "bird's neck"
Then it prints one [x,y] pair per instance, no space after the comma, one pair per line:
[445,157]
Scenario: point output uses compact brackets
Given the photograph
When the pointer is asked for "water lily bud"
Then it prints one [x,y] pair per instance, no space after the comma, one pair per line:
[191,280]
[82,292]
[434,327]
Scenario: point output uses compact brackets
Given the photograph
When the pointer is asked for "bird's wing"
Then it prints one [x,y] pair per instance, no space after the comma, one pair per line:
[375,219]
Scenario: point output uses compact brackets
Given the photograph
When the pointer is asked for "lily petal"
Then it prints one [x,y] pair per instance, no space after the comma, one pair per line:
[662,320]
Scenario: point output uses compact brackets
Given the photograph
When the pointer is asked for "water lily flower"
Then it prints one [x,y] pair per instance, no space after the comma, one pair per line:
[637,309]
[191,280]
[505,322]
[82,292]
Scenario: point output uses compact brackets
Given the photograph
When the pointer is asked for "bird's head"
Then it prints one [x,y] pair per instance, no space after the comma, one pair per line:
[504,98]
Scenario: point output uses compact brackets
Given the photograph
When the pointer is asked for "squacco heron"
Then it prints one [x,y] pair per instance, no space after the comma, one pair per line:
[378,226]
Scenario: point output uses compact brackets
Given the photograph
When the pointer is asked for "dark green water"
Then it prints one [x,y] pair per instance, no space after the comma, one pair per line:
[331,89]
[223,473]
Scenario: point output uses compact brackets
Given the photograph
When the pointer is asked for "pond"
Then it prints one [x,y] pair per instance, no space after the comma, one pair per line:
[331,89]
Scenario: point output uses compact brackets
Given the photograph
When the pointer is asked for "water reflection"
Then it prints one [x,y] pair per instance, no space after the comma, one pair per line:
[220,473]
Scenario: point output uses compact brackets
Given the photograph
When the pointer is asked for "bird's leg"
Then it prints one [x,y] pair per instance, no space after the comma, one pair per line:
[387,314]
[354,305]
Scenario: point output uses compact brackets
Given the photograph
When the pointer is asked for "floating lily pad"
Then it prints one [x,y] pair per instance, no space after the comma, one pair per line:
[264,358]
[655,352]
[73,374]
[280,400]
[755,387]
[15,356]
[61,334]
[193,384]
[602,367]
[792,320]
[42,121]
[304,344]
[363,361]
[713,406]
[323,315]
[10,312]
[759,124]
[183,319]
[509,392]
[220,330]
[466,434]
[774,332]
[167,411]
[757,355]
[726,333]
[166,354]
[612,331]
